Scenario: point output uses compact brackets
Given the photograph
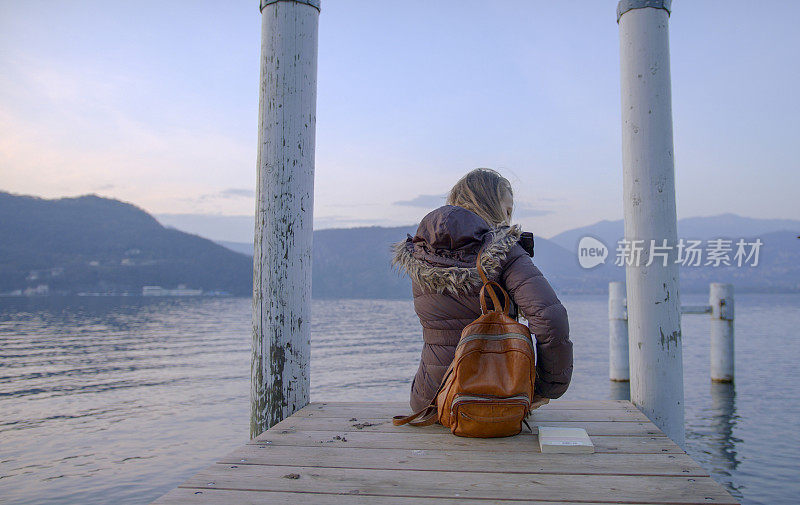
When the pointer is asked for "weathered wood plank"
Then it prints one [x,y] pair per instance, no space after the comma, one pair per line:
[419,439]
[479,461]
[380,410]
[554,404]
[384,425]
[495,486]
[191,496]
[332,453]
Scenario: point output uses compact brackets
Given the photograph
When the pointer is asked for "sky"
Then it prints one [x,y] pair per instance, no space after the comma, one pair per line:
[156,103]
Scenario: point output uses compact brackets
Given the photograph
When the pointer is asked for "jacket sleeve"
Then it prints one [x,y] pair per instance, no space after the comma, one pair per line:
[547,319]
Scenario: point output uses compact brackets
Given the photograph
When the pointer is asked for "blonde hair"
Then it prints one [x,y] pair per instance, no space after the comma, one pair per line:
[482,191]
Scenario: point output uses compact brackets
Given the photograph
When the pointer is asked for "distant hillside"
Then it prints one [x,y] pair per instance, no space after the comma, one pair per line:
[352,262]
[97,245]
[240,247]
[778,269]
[93,244]
[698,228]
[355,263]
[212,226]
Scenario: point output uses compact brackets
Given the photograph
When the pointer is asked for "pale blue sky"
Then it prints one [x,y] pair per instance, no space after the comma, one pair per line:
[155,103]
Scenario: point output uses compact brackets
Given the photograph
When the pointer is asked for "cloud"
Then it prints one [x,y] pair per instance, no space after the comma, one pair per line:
[237,192]
[70,130]
[428,201]
[353,205]
[229,193]
[322,222]
[522,210]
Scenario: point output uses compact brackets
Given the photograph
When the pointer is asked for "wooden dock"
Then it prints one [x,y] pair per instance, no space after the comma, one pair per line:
[343,453]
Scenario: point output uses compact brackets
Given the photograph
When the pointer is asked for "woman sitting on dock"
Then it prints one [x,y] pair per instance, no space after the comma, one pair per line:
[440,260]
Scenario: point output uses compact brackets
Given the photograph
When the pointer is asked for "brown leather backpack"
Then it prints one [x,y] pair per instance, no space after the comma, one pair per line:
[488,388]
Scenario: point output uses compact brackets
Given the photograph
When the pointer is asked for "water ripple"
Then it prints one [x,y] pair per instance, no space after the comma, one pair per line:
[120,400]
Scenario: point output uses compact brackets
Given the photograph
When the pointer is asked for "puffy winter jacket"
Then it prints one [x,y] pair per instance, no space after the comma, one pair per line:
[440,260]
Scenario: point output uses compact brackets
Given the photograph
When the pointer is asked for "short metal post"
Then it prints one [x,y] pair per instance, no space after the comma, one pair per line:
[618,366]
[722,354]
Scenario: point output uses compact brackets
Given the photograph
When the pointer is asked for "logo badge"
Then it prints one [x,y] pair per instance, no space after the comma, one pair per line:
[591,252]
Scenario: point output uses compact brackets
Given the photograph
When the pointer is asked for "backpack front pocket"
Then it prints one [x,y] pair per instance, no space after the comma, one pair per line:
[488,416]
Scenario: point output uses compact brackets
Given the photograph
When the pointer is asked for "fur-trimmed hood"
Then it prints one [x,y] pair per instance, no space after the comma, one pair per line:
[442,255]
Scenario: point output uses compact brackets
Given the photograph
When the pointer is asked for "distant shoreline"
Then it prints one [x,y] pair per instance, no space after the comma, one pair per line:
[565,292]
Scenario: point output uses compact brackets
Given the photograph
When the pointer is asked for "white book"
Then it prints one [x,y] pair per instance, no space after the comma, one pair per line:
[564,440]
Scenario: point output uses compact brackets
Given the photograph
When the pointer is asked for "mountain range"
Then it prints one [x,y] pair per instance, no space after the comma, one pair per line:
[363,253]
[97,245]
[91,244]
[703,228]
[778,268]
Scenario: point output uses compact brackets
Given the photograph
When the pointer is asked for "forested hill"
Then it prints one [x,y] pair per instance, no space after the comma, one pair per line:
[356,263]
[97,245]
[91,244]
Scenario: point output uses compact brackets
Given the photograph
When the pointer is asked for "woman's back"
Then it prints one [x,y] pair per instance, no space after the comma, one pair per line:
[440,260]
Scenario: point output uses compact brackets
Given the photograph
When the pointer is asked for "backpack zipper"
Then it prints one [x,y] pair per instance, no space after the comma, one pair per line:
[504,336]
[523,398]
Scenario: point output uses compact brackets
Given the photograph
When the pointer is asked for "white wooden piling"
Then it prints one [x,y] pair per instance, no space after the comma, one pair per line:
[284,200]
[618,366]
[654,324]
[722,354]
[721,309]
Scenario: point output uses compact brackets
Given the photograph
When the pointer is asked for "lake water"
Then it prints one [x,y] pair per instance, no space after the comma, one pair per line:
[120,400]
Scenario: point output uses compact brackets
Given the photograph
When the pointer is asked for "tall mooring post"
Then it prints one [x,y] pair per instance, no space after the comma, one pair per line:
[654,320]
[284,211]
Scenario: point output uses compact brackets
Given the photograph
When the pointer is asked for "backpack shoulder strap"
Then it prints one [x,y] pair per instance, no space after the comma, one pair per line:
[491,285]
[426,416]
